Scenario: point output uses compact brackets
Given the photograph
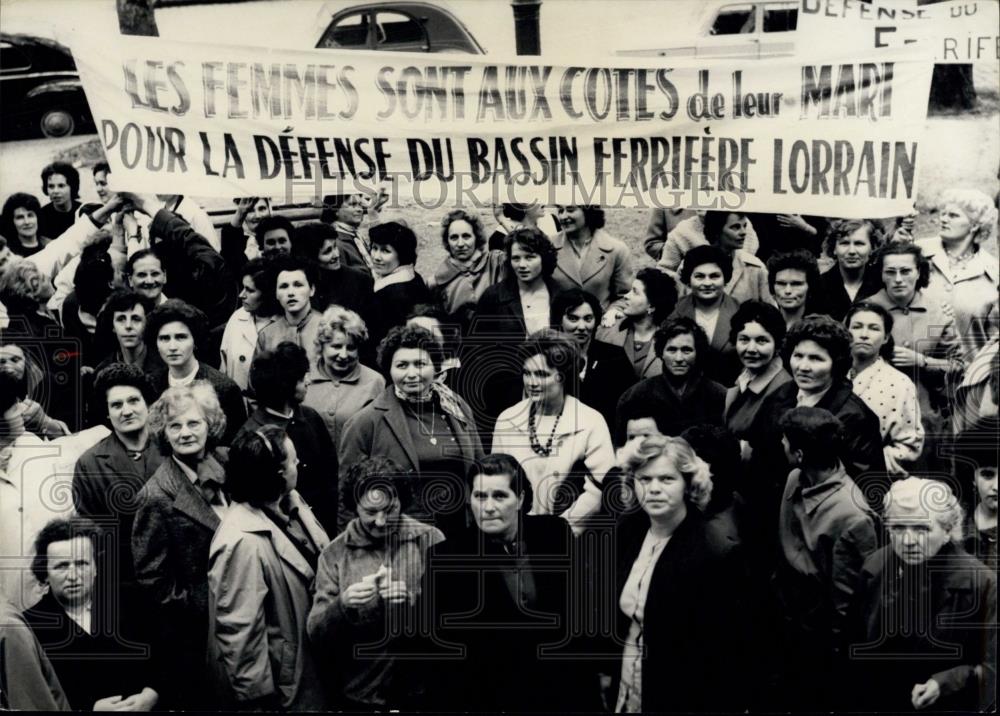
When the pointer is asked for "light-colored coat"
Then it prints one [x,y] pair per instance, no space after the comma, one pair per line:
[239,341]
[260,592]
[605,272]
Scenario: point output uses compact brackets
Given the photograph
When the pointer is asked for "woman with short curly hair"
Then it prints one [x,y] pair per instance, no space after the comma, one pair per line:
[419,423]
[179,509]
[817,352]
[852,243]
[469,268]
[963,273]
[339,385]
[675,611]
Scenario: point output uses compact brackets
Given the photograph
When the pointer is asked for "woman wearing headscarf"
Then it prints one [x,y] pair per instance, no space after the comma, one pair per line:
[420,424]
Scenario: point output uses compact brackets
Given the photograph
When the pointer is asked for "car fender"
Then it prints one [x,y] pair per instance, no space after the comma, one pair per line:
[60,86]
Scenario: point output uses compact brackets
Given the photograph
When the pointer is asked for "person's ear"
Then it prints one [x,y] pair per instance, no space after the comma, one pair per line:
[520,501]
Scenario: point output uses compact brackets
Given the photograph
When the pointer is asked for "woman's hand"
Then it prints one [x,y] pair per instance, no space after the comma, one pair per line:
[611,318]
[907,358]
[145,700]
[924,695]
[108,703]
[243,206]
[394,592]
[893,467]
[795,221]
[358,594]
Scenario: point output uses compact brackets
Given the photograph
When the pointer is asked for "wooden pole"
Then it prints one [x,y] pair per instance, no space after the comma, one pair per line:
[527,31]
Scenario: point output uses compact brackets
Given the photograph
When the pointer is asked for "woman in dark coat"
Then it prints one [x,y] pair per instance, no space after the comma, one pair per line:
[682,396]
[492,374]
[678,605]
[607,371]
[924,631]
[851,243]
[177,330]
[398,287]
[706,271]
[180,507]
[419,424]
[502,591]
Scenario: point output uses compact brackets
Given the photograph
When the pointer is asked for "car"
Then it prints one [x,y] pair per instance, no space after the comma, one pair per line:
[398,27]
[743,31]
[40,89]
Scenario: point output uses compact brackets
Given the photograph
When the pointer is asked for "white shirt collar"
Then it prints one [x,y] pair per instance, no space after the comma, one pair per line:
[183,380]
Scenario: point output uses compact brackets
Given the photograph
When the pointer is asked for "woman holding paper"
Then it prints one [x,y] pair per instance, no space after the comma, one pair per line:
[370,579]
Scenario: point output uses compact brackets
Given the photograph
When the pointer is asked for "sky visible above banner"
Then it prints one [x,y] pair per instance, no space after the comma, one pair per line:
[835,136]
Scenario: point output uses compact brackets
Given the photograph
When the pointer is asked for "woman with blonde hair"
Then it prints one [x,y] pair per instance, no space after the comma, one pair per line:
[339,385]
[178,511]
[679,591]
[963,274]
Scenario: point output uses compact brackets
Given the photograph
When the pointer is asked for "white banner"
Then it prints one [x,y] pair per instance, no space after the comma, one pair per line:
[837,137]
[953,32]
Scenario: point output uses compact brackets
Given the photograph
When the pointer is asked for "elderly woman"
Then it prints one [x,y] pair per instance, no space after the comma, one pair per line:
[398,287]
[678,591]
[706,271]
[607,370]
[589,257]
[239,338]
[728,232]
[757,330]
[888,392]
[368,591]
[176,330]
[503,590]
[338,385]
[648,303]
[262,563]
[794,280]
[851,243]
[418,423]
[682,395]
[925,634]
[469,269]
[963,274]
[179,509]
[563,445]
[20,224]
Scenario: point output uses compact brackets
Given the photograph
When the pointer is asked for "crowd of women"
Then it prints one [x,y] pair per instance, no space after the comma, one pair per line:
[757,472]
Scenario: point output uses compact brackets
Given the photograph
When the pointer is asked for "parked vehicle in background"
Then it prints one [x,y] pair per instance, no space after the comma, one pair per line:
[398,27]
[736,31]
[40,90]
